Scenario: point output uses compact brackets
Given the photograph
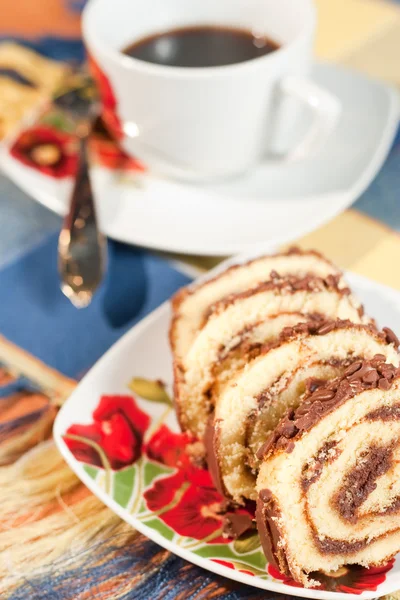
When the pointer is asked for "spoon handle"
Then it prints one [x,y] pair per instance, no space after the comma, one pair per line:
[82,248]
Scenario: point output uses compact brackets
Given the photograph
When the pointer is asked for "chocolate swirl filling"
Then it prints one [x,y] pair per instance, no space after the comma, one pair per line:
[358,377]
[361,481]
[288,284]
[358,483]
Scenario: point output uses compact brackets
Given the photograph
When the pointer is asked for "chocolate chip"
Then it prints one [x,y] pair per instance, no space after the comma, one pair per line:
[264,449]
[326,328]
[384,384]
[376,362]
[344,390]
[322,394]
[386,369]
[358,375]
[371,376]
[281,443]
[290,447]
[379,358]
[305,422]
[388,372]
[236,524]
[391,337]
[352,368]
[287,429]
[301,328]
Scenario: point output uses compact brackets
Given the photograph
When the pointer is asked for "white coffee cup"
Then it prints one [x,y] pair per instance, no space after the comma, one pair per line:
[210,122]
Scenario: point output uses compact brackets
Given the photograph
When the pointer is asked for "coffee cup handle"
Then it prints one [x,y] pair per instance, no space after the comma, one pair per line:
[326,108]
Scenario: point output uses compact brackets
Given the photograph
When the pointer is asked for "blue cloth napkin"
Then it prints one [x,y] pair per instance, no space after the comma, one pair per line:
[36,316]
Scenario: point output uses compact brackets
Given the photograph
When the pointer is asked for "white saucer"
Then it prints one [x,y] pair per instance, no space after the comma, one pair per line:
[273,204]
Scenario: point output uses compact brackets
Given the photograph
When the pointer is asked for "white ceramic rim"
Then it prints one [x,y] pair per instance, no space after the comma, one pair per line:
[94,40]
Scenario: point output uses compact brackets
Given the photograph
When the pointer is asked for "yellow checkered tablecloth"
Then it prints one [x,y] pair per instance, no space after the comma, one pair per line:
[364,35]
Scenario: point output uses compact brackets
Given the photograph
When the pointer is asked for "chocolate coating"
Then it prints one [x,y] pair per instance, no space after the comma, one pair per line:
[361,376]
[288,284]
[236,524]
[268,531]
[211,446]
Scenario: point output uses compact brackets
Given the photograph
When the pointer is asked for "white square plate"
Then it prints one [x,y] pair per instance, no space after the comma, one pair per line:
[148,492]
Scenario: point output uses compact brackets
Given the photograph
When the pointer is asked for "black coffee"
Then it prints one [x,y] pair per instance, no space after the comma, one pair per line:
[201,46]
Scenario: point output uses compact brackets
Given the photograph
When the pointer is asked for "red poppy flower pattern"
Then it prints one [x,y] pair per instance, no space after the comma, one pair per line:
[350,580]
[108,99]
[49,150]
[51,146]
[189,504]
[186,499]
[169,448]
[54,152]
[118,428]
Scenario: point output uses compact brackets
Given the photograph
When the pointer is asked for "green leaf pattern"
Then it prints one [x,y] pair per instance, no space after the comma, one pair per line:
[245,554]
[153,391]
[126,487]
